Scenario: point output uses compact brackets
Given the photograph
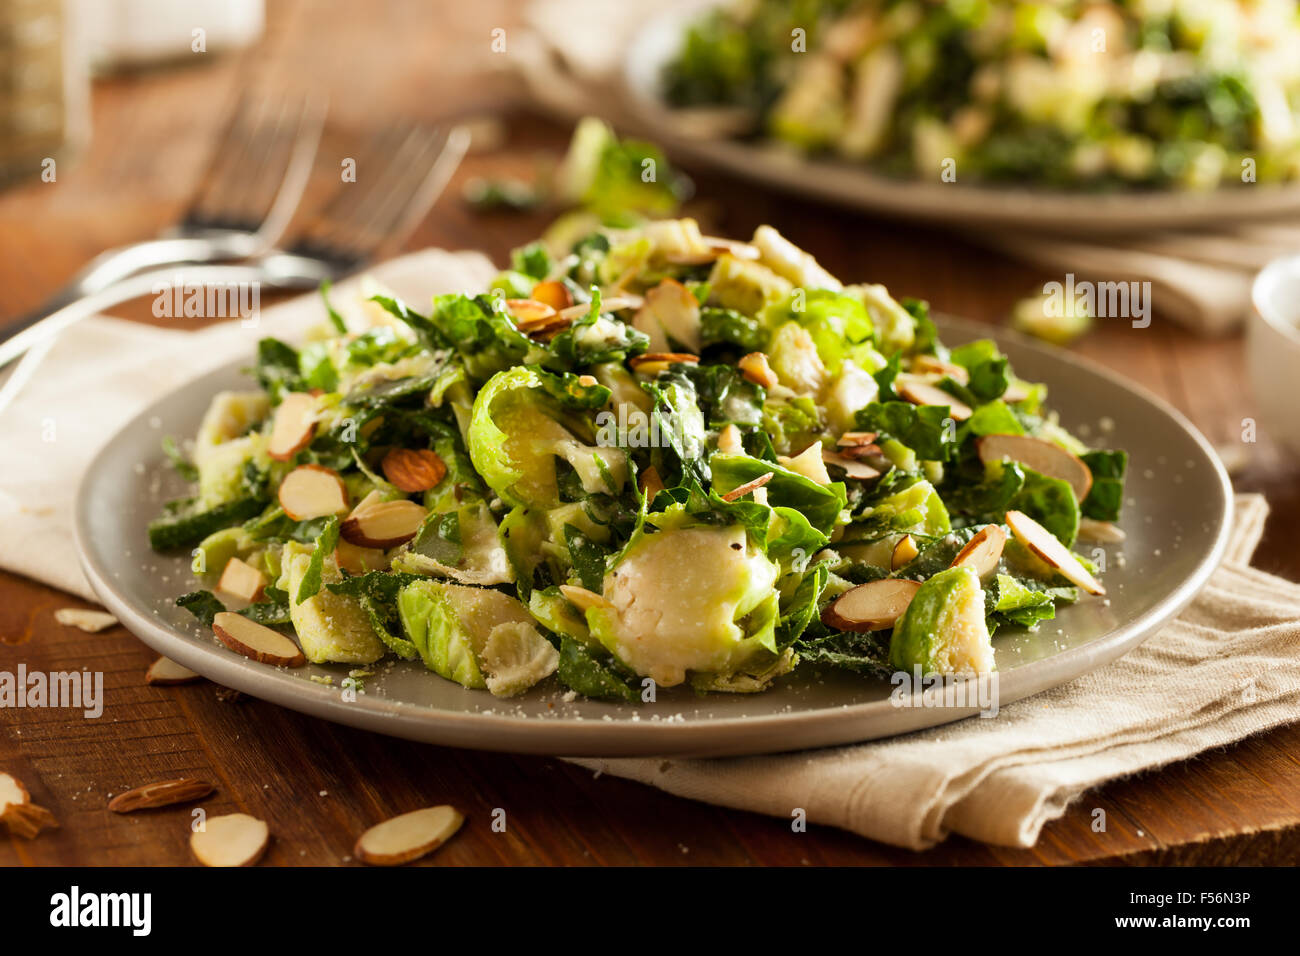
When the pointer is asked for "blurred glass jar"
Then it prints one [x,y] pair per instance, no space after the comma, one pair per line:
[44,89]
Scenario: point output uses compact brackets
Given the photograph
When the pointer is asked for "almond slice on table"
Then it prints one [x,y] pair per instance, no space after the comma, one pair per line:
[873,606]
[923,393]
[355,559]
[1045,545]
[235,839]
[241,580]
[1045,457]
[165,672]
[413,469]
[293,426]
[754,366]
[90,621]
[904,552]
[383,525]
[164,793]
[553,293]
[17,812]
[983,551]
[852,467]
[256,641]
[409,836]
[581,598]
[747,487]
[312,491]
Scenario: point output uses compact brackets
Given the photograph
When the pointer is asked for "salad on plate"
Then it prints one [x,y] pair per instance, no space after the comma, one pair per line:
[1156,94]
[652,455]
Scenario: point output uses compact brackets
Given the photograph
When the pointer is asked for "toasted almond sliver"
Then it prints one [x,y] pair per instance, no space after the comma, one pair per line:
[1103,532]
[983,551]
[12,792]
[92,622]
[164,793]
[384,525]
[413,469]
[17,812]
[312,491]
[730,441]
[581,598]
[528,312]
[937,366]
[1015,393]
[293,426]
[256,641]
[409,836]
[852,467]
[755,367]
[923,393]
[1045,457]
[873,606]
[1046,546]
[553,293]
[165,672]
[748,486]
[649,482]
[904,552]
[610,303]
[241,580]
[668,358]
[854,439]
[235,839]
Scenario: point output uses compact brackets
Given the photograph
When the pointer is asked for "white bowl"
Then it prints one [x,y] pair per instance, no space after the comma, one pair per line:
[1273,350]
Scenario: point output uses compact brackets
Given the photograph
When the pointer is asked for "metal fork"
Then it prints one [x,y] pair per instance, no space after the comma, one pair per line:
[244,202]
[400,174]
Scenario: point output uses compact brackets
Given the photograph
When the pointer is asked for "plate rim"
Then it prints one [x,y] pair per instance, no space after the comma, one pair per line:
[724,736]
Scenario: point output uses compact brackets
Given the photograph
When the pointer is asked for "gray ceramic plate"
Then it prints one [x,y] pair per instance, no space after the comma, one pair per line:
[1176,516]
[658,41]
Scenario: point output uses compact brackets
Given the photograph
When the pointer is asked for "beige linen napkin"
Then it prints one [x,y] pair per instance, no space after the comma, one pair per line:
[572,61]
[102,372]
[1227,668]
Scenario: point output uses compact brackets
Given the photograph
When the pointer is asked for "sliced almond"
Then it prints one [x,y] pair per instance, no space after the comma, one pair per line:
[905,551]
[666,358]
[355,559]
[856,439]
[553,293]
[17,812]
[165,672]
[164,793]
[755,367]
[730,441]
[852,467]
[650,483]
[312,491]
[413,469]
[1045,545]
[256,641]
[1103,532]
[983,551]
[610,303]
[529,312]
[241,580]
[747,487]
[293,426]
[1044,457]
[235,839]
[92,622]
[383,525]
[581,598]
[712,250]
[409,836]
[1015,393]
[873,606]
[937,366]
[923,393]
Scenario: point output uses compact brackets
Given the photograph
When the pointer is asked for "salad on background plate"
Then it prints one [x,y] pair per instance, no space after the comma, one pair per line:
[647,455]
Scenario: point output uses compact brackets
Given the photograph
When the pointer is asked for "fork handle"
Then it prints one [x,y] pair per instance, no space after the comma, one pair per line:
[115,265]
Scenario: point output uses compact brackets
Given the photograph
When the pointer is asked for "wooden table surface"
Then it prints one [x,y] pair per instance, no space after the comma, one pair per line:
[319,785]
